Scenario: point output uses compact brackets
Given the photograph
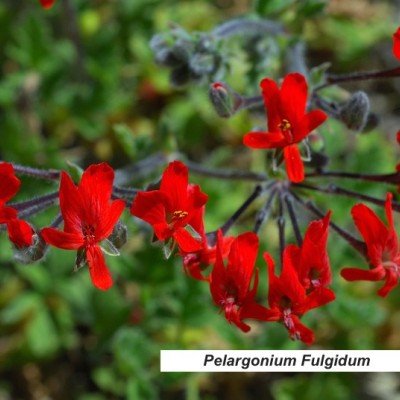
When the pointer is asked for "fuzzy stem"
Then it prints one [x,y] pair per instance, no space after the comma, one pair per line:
[225,174]
[236,215]
[293,218]
[37,201]
[332,189]
[47,174]
[281,227]
[393,178]
[247,26]
[28,212]
[140,169]
[263,214]
[332,79]
[355,243]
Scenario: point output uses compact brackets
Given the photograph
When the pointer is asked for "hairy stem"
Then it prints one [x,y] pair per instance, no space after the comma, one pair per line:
[225,174]
[393,178]
[247,26]
[236,215]
[332,79]
[293,218]
[37,201]
[332,189]
[355,243]
[263,214]
[46,174]
[281,227]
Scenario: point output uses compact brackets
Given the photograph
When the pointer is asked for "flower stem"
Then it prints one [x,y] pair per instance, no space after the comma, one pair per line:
[281,227]
[332,189]
[332,79]
[24,205]
[225,174]
[263,214]
[47,174]
[355,243]
[247,26]
[393,178]
[139,170]
[236,215]
[293,218]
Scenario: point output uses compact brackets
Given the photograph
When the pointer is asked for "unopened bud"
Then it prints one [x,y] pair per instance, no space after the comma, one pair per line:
[32,253]
[119,235]
[354,113]
[225,101]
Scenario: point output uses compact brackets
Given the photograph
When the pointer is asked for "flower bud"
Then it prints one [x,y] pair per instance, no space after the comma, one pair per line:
[225,101]
[32,253]
[354,113]
[119,235]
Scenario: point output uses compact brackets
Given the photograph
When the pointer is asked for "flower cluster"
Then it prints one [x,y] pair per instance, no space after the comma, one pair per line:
[90,209]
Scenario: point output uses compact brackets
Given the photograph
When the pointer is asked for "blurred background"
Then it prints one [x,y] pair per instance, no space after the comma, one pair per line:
[79,83]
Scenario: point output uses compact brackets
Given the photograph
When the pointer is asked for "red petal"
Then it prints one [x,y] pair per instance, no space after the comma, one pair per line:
[95,189]
[101,277]
[264,140]
[7,214]
[217,276]
[314,255]
[294,163]
[109,218]
[174,184]
[196,198]
[301,332]
[316,298]
[257,311]
[62,240]
[392,242]
[150,207]
[396,43]
[20,233]
[97,182]
[70,204]
[47,3]
[241,260]
[373,231]
[9,183]
[186,242]
[357,274]
[294,97]
[314,119]
[392,279]
[271,95]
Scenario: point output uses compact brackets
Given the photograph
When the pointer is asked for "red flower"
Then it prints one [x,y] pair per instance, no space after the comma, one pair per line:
[230,285]
[288,123]
[311,259]
[19,232]
[89,217]
[382,248]
[47,3]
[195,263]
[288,298]
[396,43]
[173,208]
